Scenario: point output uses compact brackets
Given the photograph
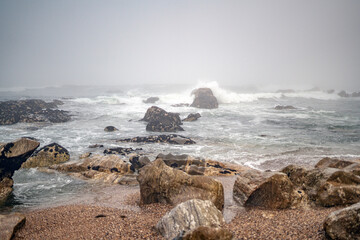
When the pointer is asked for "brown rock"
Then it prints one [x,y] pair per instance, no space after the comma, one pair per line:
[333,163]
[160,183]
[204,98]
[161,121]
[208,233]
[9,224]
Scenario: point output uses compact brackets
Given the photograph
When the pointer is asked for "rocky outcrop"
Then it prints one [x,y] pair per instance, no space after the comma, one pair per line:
[110,169]
[171,139]
[151,100]
[188,216]
[121,150]
[161,121]
[46,156]
[192,117]
[285,107]
[343,224]
[138,162]
[110,129]
[208,233]
[204,98]
[30,111]
[12,155]
[161,183]
[199,166]
[9,224]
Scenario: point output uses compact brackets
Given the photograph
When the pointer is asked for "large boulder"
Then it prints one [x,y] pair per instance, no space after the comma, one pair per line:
[171,139]
[33,110]
[12,155]
[343,224]
[161,121]
[192,117]
[204,98]
[272,190]
[161,183]
[188,216]
[9,224]
[46,156]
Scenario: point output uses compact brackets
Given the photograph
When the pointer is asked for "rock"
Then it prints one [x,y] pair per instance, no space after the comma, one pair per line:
[343,94]
[343,224]
[161,121]
[204,98]
[96,146]
[9,224]
[286,107]
[30,111]
[208,233]
[272,190]
[109,168]
[171,139]
[333,163]
[85,155]
[161,183]
[47,156]
[121,150]
[12,155]
[151,100]
[330,91]
[138,162]
[110,129]
[188,216]
[192,117]
[355,94]
[181,105]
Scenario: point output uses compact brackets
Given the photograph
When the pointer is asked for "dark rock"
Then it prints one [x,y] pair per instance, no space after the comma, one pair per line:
[161,183]
[287,107]
[181,105]
[110,129]
[171,139]
[188,216]
[204,98]
[343,224]
[138,162]
[192,117]
[30,111]
[47,156]
[96,146]
[121,150]
[9,224]
[344,94]
[208,233]
[161,121]
[151,100]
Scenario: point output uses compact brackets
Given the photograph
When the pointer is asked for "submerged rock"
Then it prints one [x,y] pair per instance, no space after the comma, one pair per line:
[151,100]
[30,111]
[161,121]
[188,216]
[204,98]
[192,117]
[171,139]
[161,183]
[9,224]
[110,129]
[46,156]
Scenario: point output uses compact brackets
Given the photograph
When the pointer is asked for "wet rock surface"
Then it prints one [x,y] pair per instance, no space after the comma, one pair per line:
[47,156]
[192,117]
[171,139]
[30,111]
[204,98]
[161,121]
[188,216]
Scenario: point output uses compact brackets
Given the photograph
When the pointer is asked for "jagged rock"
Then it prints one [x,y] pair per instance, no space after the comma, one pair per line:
[171,139]
[192,117]
[9,224]
[188,216]
[161,121]
[138,162]
[208,233]
[272,190]
[161,183]
[286,107]
[181,105]
[109,168]
[110,129]
[151,100]
[198,166]
[204,98]
[33,110]
[121,150]
[47,156]
[12,155]
[343,224]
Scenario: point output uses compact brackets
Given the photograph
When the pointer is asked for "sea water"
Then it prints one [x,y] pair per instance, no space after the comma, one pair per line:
[245,129]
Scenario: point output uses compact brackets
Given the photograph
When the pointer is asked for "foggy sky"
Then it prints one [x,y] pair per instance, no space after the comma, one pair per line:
[281,43]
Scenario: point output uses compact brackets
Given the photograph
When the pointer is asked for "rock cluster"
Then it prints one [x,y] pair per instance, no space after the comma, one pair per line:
[171,139]
[30,111]
[161,121]
[346,95]
[204,98]
[192,117]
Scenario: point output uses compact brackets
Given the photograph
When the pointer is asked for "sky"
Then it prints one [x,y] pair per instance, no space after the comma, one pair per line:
[282,43]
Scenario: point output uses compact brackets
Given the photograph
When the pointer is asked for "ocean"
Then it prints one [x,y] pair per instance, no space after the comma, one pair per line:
[246,129]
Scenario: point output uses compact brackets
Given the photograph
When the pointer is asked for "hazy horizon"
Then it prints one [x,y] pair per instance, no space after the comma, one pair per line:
[264,44]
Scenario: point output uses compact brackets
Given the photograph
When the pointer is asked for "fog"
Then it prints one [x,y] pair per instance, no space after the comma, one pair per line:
[278,43]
